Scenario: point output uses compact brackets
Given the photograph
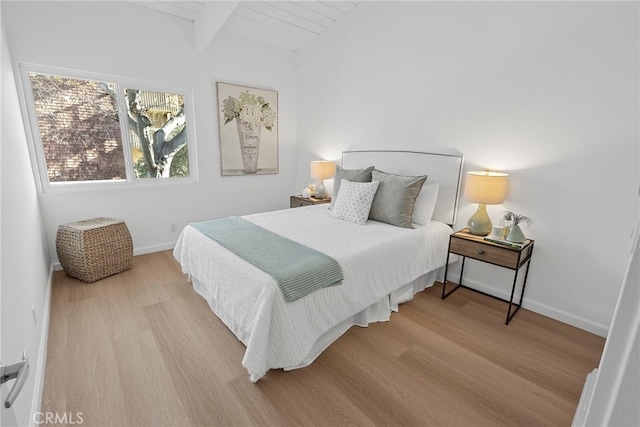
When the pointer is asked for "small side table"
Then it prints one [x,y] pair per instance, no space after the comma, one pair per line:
[93,249]
[298,201]
[469,246]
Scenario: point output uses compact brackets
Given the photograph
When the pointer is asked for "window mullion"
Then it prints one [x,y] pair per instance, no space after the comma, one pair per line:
[123,114]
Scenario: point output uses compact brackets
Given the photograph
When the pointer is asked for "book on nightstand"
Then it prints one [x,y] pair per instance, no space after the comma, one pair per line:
[506,242]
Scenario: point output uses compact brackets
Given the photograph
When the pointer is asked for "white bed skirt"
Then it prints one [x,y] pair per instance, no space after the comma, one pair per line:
[378,312]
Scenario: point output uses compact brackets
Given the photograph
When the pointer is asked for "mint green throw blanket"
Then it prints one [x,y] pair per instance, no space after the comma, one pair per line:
[298,269]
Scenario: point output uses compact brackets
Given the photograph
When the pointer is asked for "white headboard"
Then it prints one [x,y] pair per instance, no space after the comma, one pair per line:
[446,169]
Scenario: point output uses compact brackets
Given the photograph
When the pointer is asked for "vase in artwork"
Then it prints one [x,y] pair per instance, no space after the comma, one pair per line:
[249,145]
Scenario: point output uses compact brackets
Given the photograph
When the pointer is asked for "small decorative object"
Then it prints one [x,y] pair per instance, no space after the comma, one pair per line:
[484,188]
[515,233]
[245,148]
[306,193]
[497,232]
[505,222]
[321,170]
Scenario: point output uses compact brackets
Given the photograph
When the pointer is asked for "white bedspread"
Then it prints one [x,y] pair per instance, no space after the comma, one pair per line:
[376,259]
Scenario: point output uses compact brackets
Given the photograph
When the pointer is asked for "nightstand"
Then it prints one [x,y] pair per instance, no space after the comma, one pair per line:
[469,246]
[298,201]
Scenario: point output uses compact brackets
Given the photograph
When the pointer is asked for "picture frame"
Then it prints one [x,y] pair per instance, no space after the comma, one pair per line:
[248,128]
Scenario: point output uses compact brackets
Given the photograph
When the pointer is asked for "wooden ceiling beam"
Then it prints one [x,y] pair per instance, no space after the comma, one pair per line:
[210,20]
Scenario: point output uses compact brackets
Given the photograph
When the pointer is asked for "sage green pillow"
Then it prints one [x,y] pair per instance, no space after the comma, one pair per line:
[395,198]
[353,175]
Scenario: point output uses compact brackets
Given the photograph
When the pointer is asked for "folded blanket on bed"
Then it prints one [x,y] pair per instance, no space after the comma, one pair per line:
[298,269]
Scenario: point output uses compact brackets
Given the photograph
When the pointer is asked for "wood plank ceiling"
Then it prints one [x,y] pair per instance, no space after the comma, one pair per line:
[288,24]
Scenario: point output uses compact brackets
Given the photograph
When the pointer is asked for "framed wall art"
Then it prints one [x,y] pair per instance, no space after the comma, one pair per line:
[248,123]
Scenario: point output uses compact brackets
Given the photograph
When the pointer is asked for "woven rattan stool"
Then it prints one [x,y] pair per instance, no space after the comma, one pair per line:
[94,249]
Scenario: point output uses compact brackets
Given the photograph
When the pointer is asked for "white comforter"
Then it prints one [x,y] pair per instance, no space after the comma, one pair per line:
[376,260]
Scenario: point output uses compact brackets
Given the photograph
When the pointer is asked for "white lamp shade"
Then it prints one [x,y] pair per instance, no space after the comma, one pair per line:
[322,169]
[485,187]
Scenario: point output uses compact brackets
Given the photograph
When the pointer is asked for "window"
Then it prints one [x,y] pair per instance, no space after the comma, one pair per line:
[95,129]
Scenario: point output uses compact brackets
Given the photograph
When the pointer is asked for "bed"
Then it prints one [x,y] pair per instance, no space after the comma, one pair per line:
[383,265]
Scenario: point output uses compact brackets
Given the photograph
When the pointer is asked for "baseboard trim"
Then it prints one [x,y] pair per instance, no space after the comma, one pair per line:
[154,248]
[584,403]
[136,251]
[38,383]
[540,308]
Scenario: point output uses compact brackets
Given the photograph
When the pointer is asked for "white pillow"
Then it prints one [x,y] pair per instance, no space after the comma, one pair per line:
[425,203]
[353,202]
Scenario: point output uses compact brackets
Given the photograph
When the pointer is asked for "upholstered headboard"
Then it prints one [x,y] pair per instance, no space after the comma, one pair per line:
[444,168]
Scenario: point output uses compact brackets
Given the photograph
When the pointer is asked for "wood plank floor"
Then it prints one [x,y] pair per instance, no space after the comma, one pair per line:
[142,348]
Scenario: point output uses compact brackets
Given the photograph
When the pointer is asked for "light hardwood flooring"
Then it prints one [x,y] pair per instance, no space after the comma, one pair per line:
[142,348]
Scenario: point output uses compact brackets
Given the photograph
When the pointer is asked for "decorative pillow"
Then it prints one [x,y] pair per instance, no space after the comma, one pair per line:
[353,175]
[425,204]
[395,198]
[354,201]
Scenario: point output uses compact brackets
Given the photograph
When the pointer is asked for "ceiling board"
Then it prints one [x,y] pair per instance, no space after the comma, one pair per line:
[269,9]
[323,8]
[260,18]
[288,24]
[304,13]
[182,9]
[193,6]
[241,26]
[343,6]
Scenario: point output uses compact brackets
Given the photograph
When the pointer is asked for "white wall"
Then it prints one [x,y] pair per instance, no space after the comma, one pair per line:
[24,261]
[124,39]
[545,91]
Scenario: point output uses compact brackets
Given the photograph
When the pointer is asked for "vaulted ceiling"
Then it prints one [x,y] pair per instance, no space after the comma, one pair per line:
[288,24]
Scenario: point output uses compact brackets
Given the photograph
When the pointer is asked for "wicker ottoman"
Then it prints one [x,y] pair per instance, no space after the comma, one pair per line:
[94,249]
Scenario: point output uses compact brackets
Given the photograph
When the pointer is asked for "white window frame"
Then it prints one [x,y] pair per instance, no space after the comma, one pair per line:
[33,130]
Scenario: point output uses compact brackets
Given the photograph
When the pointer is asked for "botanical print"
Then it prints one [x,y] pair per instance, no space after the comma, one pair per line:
[248,123]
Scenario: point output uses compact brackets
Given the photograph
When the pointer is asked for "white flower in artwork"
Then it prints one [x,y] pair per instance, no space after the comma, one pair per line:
[250,115]
[268,118]
[250,109]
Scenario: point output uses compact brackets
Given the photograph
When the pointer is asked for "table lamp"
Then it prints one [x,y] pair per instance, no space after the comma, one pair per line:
[321,170]
[484,188]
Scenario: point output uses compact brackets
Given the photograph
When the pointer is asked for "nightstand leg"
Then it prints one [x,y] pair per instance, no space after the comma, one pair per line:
[524,284]
[444,285]
[513,288]
[446,270]
[526,274]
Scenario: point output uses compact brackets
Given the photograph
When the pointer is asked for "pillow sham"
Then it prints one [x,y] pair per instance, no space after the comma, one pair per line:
[395,198]
[425,204]
[354,201]
[353,175]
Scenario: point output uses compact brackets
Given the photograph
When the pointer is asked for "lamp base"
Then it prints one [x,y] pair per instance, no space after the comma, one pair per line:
[480,223]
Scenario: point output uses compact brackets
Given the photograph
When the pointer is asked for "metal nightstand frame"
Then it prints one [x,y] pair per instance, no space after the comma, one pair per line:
[521,261]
